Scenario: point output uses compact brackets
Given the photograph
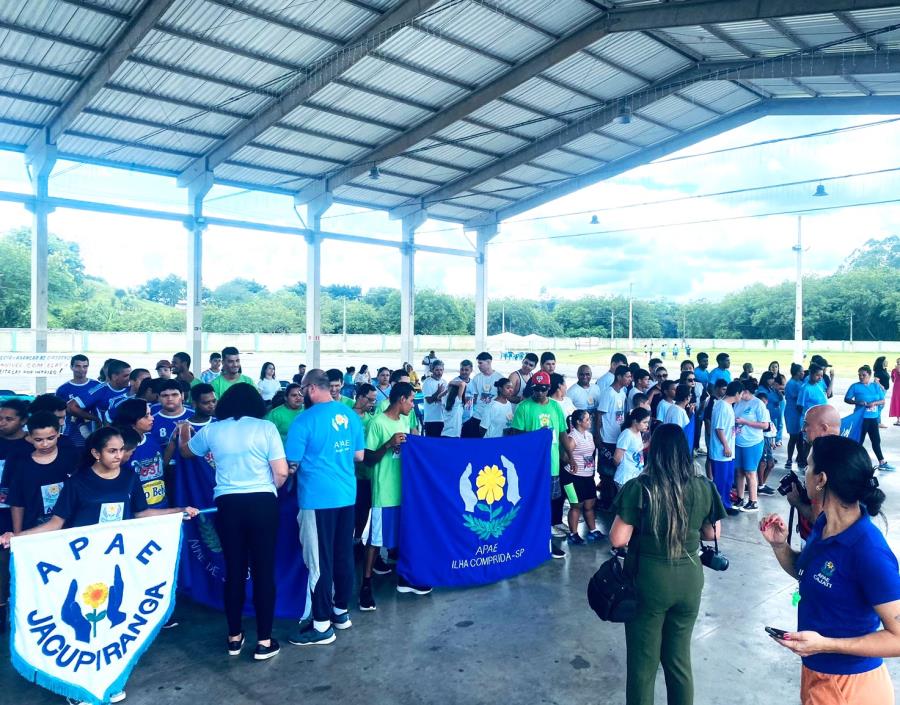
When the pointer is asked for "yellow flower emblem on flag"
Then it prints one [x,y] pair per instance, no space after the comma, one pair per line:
[490,482]
[95,595]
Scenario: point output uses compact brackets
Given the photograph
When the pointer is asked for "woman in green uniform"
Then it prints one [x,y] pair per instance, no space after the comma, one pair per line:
[661,516]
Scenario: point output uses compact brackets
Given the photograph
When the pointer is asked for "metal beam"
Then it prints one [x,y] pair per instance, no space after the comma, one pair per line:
[874,105]
[850,24]
[342,60]
[819,65]
[273,18]
[127,40]
[625,19]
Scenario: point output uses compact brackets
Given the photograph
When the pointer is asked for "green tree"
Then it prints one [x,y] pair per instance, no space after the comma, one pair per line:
[168,290]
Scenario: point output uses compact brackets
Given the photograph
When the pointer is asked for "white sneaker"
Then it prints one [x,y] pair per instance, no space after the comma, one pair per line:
[114,698]
[560,531]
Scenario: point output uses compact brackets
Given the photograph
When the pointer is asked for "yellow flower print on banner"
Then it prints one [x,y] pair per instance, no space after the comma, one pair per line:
[490,482]
[95,595]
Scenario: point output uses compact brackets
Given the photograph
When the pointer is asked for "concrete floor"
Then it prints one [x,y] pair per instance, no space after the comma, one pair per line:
[532,638]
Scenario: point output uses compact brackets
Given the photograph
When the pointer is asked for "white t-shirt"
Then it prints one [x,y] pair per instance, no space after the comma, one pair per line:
[567,405]
[769,432]
[453,419]
[584,398]
[495,418]
[629,403]
[662,409]
[432,411]
[612,405]
[677,415]
[482,390]
[268,388]
[605,381]
[632,463]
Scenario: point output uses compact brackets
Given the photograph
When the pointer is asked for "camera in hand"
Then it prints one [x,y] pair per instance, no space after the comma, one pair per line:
[789,482]
[712,559]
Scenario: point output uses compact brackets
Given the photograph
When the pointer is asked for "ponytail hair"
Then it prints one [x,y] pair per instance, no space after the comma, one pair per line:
[636,415]
[576,416]
[850,474]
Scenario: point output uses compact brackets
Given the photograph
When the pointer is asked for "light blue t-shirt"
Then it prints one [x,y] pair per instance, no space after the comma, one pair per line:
[323,440]
[722,418]
[868,394]
[717,374]
[752,410]
[243,449]
[632,463]
[810,395]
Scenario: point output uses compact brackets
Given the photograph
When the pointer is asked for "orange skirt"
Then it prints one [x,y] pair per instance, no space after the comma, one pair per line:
[869,688]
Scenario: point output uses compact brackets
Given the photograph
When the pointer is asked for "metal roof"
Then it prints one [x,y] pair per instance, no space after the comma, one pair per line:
[472,110]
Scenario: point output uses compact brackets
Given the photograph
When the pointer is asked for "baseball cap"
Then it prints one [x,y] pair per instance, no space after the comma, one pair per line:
[163,363]
[540,378]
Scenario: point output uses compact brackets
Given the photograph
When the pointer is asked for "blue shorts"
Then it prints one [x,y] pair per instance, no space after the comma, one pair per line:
[747,459]
[384,527]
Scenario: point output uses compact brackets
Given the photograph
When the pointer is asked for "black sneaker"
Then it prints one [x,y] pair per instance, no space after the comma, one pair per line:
[750,507]
[263,653]
[366,600]
[788,465]
[404,585]
[738,503]
[380,567]
[234,647]
[557,552]
[766,490]
[732,511]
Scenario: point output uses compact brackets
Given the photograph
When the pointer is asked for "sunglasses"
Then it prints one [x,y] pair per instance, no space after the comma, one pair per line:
[540,388]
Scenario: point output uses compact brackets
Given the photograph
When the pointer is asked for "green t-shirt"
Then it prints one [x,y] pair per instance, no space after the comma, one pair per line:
[386,474]
[220,385]
[283,417]
[347,401]
[363,471]
[531,416]
[412,420]
[701,500]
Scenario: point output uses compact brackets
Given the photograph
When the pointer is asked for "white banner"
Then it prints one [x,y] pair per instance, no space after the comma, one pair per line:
[33,364]
[89,601]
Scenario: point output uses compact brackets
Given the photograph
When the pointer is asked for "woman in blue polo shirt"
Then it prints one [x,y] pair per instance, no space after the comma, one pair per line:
[869,394]
[849,582]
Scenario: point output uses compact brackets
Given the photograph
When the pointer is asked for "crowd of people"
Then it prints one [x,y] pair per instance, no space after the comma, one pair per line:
[625,450]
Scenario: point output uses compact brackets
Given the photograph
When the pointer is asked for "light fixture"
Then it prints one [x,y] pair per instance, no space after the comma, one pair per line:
[374,174]
[820,191]
[595,220]
[624,117]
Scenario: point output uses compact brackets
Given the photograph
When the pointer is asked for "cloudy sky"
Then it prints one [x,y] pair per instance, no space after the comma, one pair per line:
[665,249]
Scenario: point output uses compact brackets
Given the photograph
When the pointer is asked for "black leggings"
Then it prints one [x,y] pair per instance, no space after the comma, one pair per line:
[870,428]
[795,440]
[248,528]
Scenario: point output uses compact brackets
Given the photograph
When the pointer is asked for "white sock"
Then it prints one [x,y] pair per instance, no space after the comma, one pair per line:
[339,612]
[321,626]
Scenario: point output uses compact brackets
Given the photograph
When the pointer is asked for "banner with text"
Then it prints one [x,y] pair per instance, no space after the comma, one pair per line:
[33,364]
[474,511]
[89,601]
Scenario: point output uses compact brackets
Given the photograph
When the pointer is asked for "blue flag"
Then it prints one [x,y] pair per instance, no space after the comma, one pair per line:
[201,575]
[474,510]
[851,426]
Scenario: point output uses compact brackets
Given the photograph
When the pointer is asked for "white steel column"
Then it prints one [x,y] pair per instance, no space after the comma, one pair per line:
[315,209]
[40,162]
[798,298]
[484,235]
[195,225]
[408,285]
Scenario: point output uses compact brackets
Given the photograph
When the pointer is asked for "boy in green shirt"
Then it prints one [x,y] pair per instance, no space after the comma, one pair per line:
[284,414]
[385,435]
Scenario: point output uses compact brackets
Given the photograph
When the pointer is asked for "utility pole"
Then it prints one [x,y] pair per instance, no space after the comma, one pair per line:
[851,328]
[798,298]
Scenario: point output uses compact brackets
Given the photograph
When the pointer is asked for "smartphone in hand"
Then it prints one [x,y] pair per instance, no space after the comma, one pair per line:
[776,633]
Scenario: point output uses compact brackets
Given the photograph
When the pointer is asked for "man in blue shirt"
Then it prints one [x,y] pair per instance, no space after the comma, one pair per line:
[322,444]
[723,362]
[76,428]
[93,405]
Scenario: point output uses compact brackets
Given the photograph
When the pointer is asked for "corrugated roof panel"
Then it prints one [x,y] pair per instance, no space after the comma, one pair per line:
[313,119]
[17,80]
[758,37]
[640,54]
[25,111]
[566,161]
[638,131]
[594,76]
[483,29]
[248,175]
[677,112]
[556,16]
[430,53]
[723,96]
[217,23]
[375,198]
[130,132]
[333,17]
[533,175]
[380,75]
[98,149]
[451,153]
[508,188]
[411,187]
[779,87]
[477,135]
[34,50]
[830,85]
[179,87]
[817,29]
[604,147]
[61,19]
[548,97]
[278,160]
[14,134]
[161,111]
[478,200]
[288,139]
[501,114]
[413,167]
[167,49]
[699,40]
[367,105]
[448,211]
[888,84]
